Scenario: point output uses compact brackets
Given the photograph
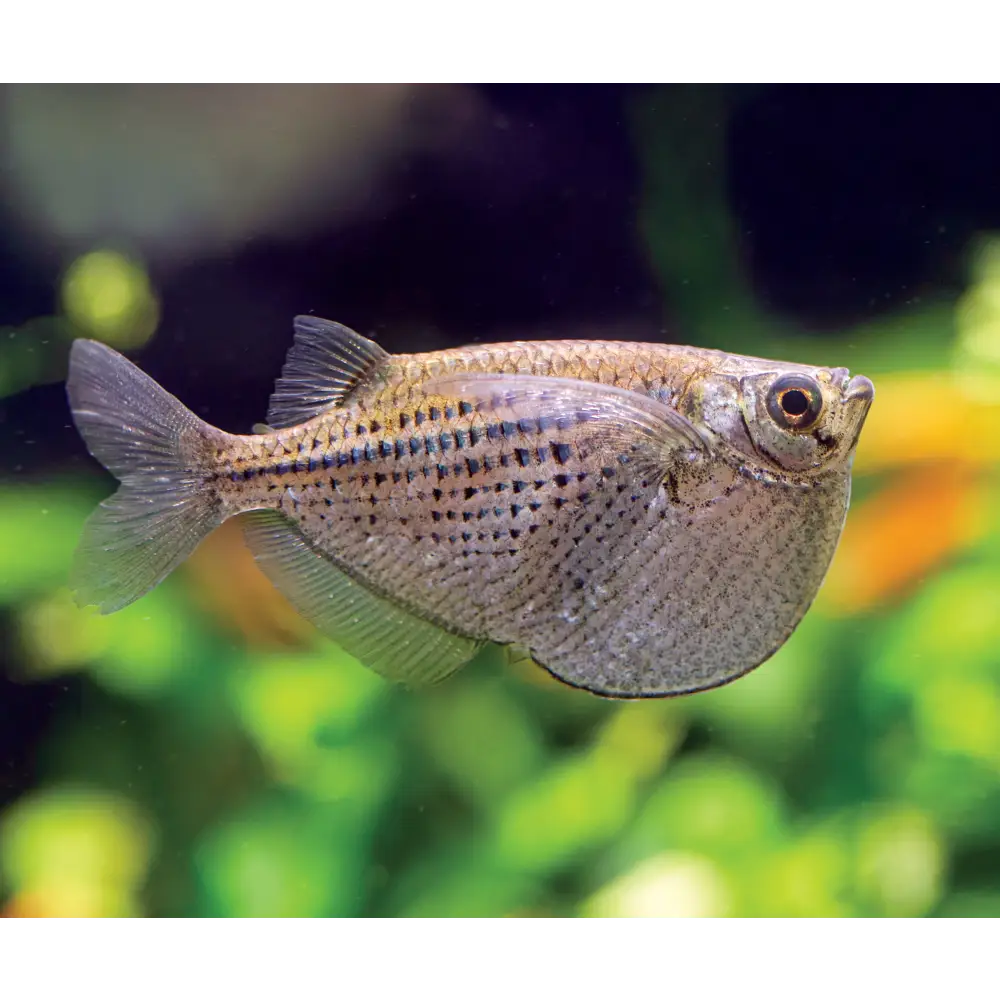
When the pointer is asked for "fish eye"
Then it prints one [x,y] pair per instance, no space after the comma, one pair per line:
[795,402]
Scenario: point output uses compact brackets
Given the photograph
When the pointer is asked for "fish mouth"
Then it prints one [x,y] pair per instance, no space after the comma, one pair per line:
[859,388]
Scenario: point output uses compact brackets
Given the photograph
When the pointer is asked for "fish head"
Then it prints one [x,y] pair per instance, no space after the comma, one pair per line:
[784,418]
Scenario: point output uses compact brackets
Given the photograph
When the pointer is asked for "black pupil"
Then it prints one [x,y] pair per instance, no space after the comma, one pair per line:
[795,402]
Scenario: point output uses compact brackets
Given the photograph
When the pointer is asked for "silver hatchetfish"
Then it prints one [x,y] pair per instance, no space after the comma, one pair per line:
[642,520]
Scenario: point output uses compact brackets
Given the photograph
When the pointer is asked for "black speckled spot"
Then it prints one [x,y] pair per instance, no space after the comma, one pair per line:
[561,452]
[435,413]
[473,465]
[523,456]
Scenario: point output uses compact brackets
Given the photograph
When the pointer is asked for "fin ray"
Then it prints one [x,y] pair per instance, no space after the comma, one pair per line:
[624,421]
[326,363]
[156,447]
[386,638]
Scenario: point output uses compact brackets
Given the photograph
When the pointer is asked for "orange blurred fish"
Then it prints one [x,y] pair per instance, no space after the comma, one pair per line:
[644,520]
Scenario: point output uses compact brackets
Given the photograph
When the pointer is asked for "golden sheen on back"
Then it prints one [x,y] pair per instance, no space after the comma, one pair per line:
[642,519]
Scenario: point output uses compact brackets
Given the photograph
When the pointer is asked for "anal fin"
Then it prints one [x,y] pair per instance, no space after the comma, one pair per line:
[386,638]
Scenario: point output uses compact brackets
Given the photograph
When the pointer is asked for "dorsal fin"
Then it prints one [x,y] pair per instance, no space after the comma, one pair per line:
[326,362]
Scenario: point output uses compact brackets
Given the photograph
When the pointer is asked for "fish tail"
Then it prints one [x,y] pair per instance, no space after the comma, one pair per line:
[162,454]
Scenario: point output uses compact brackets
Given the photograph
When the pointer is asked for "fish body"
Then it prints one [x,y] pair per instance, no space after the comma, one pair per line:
[642,519]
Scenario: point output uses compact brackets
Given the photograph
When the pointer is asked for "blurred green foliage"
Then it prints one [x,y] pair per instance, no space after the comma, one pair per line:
[857,773]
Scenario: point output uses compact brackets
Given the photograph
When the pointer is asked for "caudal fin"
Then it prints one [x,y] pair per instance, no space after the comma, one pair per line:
[160,451]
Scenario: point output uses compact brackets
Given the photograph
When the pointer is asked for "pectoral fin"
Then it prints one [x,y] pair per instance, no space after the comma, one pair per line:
[623,424]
